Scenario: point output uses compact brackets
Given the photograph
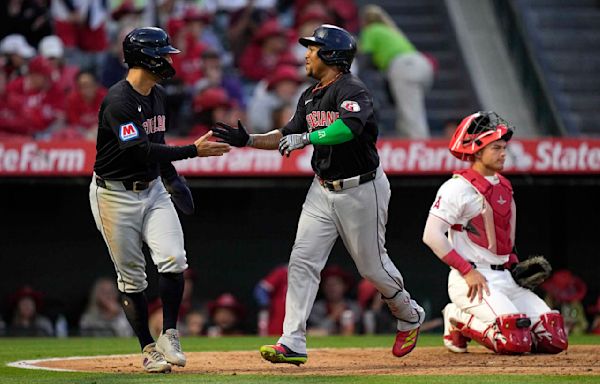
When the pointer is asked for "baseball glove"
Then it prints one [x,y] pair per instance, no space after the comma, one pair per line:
[531,272]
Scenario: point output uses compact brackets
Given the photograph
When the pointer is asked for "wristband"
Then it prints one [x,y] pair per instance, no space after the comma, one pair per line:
[456,261]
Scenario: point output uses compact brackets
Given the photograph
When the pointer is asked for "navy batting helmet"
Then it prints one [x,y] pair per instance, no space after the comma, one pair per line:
[338,47]
[146,48]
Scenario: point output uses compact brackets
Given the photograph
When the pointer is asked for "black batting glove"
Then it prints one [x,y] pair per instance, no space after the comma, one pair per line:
[180,194]
[289,143]
[238,137]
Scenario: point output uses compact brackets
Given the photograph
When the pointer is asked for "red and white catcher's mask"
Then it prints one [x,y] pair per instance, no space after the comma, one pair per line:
[476,131]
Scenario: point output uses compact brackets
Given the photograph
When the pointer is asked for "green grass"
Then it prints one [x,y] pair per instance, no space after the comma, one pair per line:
[22,349]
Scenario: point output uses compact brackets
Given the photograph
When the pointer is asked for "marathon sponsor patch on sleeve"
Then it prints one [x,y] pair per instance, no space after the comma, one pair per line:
[128,132]
[351,106]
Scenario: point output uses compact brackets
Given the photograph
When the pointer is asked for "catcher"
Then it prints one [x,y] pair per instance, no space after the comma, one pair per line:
[491,298]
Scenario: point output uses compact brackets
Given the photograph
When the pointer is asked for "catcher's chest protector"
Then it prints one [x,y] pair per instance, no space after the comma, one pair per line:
[492,226]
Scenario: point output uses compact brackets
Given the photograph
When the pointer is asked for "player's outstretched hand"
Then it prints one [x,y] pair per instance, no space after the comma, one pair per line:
[238,137]
[289,143]
[477,285]
[207,148]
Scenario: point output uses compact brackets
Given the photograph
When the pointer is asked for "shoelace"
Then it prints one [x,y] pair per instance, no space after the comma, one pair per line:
[156,355]
[174,341]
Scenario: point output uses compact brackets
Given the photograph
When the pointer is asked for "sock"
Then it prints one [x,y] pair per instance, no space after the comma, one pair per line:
[171,291]
[135,306]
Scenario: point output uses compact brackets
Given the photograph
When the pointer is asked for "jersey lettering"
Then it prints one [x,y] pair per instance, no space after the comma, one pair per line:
[436,205]
[321,119]
[128,132]
[155,124]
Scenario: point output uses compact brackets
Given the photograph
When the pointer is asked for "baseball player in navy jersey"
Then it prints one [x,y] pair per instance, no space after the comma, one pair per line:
[348,197]
[477,210]
[130,203]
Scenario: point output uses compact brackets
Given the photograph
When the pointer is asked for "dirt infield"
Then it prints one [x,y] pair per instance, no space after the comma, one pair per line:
[578,360]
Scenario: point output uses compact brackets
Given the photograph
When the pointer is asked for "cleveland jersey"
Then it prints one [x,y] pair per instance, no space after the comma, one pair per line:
[127,122]
[347,99]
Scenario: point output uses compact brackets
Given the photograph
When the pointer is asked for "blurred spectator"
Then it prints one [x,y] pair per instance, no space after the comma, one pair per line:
[279,89]
[564,291]
[83,104]
[343,13]
[104,315]
[245,17]
[194,323]
[63,75]
[270,293]
[594,310]
[15,51]
[187,63]
[335,313]
[261,56]
[127,15]
[376,317]
[113,67]
[212,105]
[29,18]
[199,25]
[10,122]
[409,73]
[40,103]
[226,314]
[306,23]
[81,25]
[214,76]
[26,320]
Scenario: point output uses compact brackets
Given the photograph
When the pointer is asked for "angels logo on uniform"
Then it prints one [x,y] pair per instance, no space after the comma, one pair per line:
[128,132]
[351,106]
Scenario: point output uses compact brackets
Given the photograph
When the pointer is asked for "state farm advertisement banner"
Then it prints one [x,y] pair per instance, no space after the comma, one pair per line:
[399,157]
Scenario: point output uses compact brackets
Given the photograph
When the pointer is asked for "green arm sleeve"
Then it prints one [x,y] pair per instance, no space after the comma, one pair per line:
[337,133]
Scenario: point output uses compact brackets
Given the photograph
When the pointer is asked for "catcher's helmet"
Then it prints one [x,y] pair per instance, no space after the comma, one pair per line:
[476,131]
[338,47]
[146,48]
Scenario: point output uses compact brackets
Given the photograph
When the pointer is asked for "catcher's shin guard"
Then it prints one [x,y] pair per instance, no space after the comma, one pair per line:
[549,334]
[509,334]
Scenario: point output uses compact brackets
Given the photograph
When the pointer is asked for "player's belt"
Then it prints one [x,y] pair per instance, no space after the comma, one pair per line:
[125,185]
[351,182]
[495,267]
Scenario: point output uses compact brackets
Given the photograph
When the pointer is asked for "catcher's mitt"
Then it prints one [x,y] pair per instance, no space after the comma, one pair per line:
[531,272]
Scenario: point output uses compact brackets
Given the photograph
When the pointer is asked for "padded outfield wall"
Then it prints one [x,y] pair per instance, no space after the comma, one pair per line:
[245,226]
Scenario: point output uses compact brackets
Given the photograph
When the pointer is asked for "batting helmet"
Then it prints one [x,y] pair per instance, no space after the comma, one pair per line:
[338,47]
[147,48]
[476,131]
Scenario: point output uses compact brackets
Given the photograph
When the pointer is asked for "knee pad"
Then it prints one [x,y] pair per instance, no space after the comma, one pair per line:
[549,334]
[513,334]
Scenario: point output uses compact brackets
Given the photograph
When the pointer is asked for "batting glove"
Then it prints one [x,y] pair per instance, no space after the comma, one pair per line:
[238,137]
[180,194]
[289,143]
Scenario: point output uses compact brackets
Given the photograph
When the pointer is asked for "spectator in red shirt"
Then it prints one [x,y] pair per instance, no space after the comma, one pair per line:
[226,314]
[260,58]
[15,51]
[83,104]
[185,31]
[212,105]
[10,122]
[40,103]
[344,12]
[270,293]
[63,75]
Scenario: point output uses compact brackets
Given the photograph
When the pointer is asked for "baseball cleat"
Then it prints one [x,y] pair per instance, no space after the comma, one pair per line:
[456,342]
[168,344]
[279,353]
[405,342]
[154,361]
